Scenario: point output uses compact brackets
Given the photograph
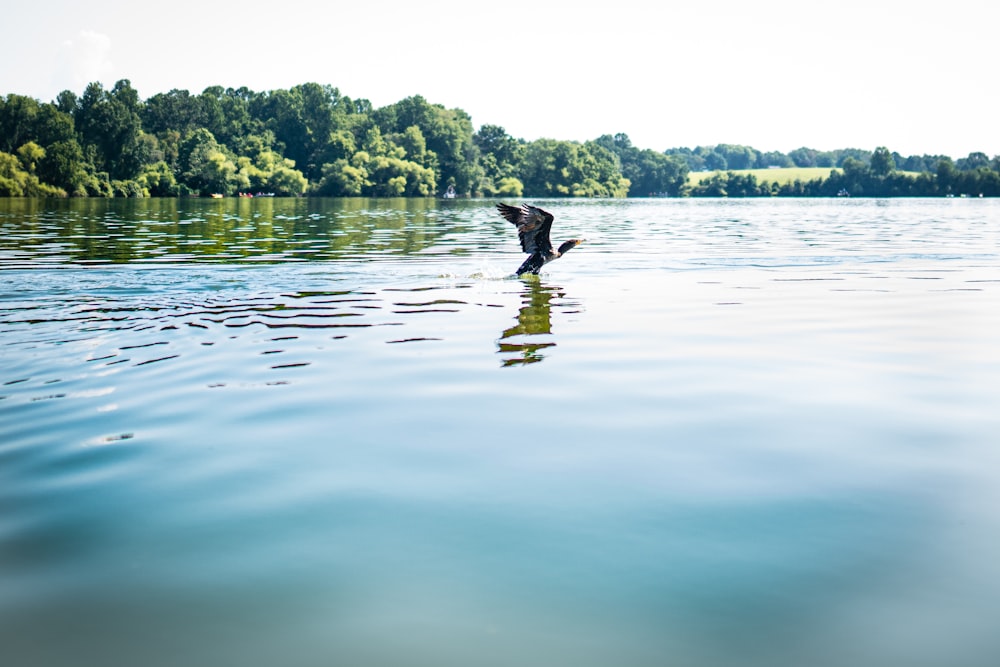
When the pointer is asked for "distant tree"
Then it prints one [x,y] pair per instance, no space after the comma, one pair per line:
[653,173]
[110,128]
[30,154]
[17,121]
[568,169]
[601,173]
[714,161]
[449,136]
[227,114]
[509,186]
[917,163]
[340,145]
[266,170]
[379,169]
[285,180]
[15,181]
[826,159]
[732,184]
[500,158]
[855,175]
[737,157]
[775,159]
[648,172]
[305,119]
[66,102]
[412,141]
[882,163]
[158,180]
[947,175]
[177,110]
[841,155]
[44,137]
[494,140]
[207,167]
[973,161]
[694,162]
[64,166]
[804,157]
[715,185]
[13,178]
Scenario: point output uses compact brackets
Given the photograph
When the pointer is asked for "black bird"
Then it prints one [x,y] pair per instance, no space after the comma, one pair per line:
[533,225]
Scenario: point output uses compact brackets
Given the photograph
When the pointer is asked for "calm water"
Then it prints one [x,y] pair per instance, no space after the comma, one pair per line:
[320,432]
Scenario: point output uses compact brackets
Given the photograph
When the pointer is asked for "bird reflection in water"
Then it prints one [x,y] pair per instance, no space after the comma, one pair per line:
[523,343]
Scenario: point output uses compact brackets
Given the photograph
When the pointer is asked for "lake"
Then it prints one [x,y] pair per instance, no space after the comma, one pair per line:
[310,432]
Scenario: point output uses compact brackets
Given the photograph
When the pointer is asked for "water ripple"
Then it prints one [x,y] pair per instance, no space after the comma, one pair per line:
[714,422]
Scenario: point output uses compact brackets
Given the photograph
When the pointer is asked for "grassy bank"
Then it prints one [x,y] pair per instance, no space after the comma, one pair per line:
[779,176]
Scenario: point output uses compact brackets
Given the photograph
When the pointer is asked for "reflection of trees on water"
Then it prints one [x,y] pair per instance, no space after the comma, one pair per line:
[234,229]
[522,343]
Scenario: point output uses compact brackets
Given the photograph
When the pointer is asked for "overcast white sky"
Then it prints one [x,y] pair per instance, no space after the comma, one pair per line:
[916,77]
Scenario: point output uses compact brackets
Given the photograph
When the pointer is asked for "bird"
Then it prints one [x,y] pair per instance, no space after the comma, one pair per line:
[533,226]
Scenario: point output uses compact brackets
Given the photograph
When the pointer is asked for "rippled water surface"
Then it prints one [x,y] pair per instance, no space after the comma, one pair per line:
[328,432]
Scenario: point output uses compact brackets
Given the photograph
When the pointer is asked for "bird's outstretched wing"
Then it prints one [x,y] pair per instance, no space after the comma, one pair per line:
[533,225]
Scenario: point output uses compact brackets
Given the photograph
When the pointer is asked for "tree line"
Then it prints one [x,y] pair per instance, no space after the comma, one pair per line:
[312,140]
[873,174]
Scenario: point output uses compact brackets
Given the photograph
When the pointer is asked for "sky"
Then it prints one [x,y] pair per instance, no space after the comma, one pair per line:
[915,77]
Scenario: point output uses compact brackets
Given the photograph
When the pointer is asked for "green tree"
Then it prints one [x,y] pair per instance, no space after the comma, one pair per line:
[413,142]
[693,160]
[158,180]
[841,155]
[716,185]
[568,169]
[306,119]
[177,110]
[544,171]
[775,159]
[17,121]
[509,187]
[804,157]
[379,169]
[30,155]
[206,166]
[340,145]
[285,180]
[15,181]
[973,161]
[110,128]
[738,157]
[229,115]
[66,102]
[601,174]
[344,178]
[448,135]
[882,162]
[12,176]
[648,172]
[507,151]
[653,173]
[500,158]
[714,161]
[63,166]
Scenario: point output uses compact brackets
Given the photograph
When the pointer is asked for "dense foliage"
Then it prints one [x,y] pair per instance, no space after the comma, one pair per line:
[312,140]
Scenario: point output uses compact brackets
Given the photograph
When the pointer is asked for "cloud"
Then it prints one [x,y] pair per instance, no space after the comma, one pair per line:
[84,59]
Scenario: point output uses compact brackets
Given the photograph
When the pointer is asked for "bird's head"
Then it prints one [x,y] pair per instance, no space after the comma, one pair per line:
[569,245]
